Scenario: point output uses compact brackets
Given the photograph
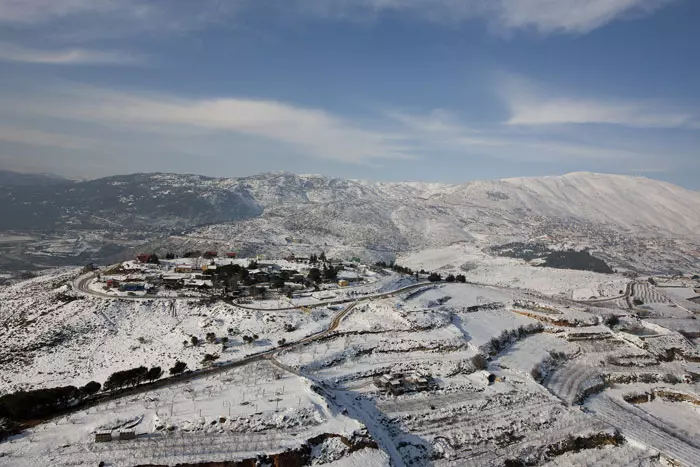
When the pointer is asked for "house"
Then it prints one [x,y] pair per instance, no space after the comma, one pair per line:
[145,257]
[183,268]
[231,254]
[111,283]
[210,254]
[209,267]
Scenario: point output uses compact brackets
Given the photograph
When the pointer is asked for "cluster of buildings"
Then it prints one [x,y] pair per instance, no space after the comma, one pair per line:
[148,274]
[399,383]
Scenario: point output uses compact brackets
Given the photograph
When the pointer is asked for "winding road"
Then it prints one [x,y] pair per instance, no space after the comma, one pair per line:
[81,284]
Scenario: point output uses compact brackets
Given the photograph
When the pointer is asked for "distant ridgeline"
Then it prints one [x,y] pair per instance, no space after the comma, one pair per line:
[569,259]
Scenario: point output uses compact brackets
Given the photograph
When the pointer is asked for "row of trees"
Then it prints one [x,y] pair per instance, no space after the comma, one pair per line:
[436,277]
[23,405]
[432,277]
[314,259]
[132,377]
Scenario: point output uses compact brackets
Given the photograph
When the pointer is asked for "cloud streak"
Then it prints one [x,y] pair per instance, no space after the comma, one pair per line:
[544,16]
[530,105]
[304,131]
[76,56]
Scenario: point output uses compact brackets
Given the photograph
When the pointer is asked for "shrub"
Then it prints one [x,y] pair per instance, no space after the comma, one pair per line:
[178,368]
[91,388]
[154,373]
[209,358]
[479,362]
[612,320]
[434,277]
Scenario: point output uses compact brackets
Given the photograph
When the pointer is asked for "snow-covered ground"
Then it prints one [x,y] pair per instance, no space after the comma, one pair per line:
[481,373]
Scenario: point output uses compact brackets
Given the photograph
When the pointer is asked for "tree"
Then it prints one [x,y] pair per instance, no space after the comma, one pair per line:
[194,340]
[253,264]
[330,273]
[91,388]
[170,255]
[322,256]
[153,259]
[178,368]
[461,278]
[450,278]
[314,274]
[282,341]
[277,283]
[612,320]
[154,373]
[434,277]
[313,259]
[211,337]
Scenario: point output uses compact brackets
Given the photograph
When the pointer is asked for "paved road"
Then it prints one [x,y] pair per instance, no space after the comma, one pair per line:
[82,284]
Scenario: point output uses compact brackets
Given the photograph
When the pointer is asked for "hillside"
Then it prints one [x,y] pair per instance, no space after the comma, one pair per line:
[630,222]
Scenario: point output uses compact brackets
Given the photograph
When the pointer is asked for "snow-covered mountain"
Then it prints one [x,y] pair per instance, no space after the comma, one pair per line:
[632,221]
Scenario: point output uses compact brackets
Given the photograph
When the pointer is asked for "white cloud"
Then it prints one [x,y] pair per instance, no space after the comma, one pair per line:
[545,16]
[15,53]
[41,11]
[531,105]
[439,129]
[305,131]
[569,16]
[550,111]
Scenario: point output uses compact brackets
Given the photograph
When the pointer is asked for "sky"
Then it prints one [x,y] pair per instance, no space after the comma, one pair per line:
[433,90]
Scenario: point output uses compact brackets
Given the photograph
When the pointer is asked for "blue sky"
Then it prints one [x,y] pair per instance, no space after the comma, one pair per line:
[436,90]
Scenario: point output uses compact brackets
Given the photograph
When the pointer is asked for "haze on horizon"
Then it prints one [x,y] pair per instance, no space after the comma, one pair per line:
[372,89]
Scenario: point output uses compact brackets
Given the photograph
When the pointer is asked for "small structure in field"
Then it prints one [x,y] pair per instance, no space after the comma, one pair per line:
[126,435]
[231,254]
[103,436]
[343,283]
[132,287]
[398,383]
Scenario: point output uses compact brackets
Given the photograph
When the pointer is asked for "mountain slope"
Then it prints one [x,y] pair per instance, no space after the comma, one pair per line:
[631,221]
[9,178]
